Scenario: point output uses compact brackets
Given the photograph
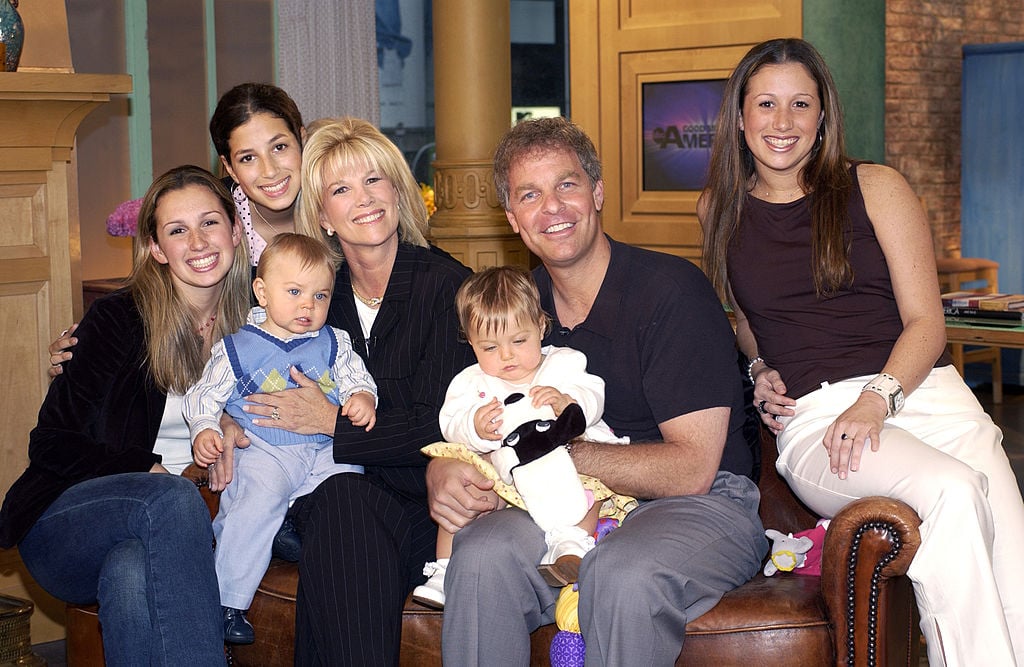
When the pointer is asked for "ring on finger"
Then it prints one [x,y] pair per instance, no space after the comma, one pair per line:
[844,437]
[761,408]
[275,415]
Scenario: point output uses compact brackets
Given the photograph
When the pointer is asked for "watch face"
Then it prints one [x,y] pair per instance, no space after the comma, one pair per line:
[897,400]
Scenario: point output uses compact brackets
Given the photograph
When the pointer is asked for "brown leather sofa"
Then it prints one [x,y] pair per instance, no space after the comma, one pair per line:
[860,612]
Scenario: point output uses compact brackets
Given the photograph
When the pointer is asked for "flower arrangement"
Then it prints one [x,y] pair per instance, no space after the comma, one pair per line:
[427,193]
[125,218]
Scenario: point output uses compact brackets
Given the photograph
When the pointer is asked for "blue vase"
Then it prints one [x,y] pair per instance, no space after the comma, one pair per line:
[12,34]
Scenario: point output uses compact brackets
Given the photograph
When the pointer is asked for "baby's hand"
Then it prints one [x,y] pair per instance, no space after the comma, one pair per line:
[551,397]
[360,410]
[488,420]
[207,447]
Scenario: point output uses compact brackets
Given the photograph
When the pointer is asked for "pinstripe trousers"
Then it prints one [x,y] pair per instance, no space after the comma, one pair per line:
[362,549]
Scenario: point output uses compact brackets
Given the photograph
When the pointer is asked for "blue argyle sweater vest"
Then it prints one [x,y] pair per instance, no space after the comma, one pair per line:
[260,363]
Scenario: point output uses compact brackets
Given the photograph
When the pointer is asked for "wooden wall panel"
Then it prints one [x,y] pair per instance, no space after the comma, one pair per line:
[616,46]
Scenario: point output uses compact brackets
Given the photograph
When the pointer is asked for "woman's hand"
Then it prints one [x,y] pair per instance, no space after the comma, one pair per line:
[221,471]
[302,410]
[457,493]
[859,425]
[770,398]
[58,350]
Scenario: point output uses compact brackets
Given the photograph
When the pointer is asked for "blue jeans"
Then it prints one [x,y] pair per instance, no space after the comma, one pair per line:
[141,545]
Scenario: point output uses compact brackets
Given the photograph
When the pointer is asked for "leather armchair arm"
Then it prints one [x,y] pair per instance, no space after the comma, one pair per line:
[868,548]
[202,482]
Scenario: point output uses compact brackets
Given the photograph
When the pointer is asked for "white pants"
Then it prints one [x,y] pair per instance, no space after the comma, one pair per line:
[943,456]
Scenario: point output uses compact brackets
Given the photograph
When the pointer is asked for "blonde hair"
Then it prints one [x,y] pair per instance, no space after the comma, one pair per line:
[308,251]
[343,143]
[826,177]
[174,351]
[491,300]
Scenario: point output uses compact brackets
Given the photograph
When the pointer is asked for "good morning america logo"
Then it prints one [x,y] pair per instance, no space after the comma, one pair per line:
[688,136]
[679,123]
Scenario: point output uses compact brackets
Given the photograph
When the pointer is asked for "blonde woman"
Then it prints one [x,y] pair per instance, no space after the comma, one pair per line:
[365,537]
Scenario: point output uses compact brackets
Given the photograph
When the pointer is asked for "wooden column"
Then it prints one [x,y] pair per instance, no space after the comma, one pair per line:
[473,100]
[40,285]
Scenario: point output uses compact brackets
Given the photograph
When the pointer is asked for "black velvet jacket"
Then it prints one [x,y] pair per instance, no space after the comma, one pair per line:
[100,416]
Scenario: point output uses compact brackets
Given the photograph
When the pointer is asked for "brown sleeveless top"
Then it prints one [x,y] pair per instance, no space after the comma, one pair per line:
[807,339]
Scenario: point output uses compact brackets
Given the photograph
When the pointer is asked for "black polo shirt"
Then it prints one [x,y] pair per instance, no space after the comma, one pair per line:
[658,336]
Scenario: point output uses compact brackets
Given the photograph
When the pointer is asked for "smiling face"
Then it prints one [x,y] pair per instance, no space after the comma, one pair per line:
[196,238]
[296,297]
[553,206]
[266,161]
[512,354]
[360,205]
[781,114]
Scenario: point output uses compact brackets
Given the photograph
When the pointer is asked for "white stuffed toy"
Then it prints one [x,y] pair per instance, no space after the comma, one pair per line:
[799,553]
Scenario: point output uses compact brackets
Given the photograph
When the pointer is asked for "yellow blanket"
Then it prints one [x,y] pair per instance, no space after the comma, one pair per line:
[614,506]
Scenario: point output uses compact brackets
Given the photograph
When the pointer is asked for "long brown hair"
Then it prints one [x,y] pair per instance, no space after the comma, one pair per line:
[174,351]
[344,142]
[826,177]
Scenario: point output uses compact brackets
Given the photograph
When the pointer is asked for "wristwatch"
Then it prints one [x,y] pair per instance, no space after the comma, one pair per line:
[888,388]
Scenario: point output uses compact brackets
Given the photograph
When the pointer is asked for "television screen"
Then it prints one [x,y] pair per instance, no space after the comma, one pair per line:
[678,127]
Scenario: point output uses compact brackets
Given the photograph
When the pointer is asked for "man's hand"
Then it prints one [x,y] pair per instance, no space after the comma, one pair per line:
[457,493]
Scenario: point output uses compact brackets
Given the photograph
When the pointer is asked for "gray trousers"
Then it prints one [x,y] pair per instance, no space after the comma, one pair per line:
[670,561]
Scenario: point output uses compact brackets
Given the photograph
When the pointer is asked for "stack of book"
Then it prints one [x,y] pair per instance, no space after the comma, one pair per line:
[995,309]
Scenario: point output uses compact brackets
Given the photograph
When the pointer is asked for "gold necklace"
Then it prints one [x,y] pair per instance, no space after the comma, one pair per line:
[371,302]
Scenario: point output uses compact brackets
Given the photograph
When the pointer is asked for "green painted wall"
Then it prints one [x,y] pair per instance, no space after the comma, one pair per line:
[851,37]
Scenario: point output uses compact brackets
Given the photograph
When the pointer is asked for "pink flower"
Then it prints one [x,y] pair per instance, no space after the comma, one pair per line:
[125,218]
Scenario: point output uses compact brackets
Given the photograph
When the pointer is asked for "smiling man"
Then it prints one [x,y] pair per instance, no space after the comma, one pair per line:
[654,330]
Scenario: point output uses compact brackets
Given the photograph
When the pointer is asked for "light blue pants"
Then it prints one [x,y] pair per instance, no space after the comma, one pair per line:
[670,561]
[266,478]
[943,456]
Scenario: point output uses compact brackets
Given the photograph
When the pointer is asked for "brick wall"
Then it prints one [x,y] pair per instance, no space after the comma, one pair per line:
[922,95]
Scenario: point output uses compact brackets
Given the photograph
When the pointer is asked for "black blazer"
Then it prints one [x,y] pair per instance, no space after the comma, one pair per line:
[100,416]
[413,352]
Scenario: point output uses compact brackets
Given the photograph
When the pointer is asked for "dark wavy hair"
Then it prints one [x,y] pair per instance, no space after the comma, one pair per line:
[244,101]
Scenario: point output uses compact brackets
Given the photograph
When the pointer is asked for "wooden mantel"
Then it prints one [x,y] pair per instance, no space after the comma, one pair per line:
[40,257]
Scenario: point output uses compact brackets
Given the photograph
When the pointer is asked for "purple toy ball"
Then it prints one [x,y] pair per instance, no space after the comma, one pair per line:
[567,649]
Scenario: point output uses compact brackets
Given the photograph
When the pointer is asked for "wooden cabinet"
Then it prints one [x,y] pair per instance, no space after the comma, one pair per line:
[40,285]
